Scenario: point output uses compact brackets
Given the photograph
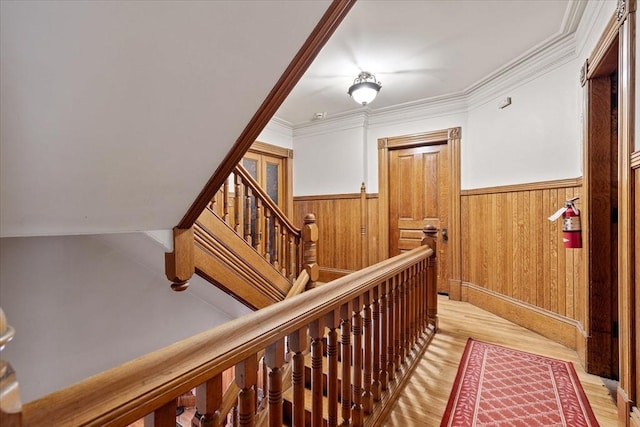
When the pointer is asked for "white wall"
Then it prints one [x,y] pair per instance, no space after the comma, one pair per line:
[277,133]
[536,138]
[83,304]
[329,163]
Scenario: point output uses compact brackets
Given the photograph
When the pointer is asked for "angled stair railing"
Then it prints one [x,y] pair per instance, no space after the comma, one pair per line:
[244,244]
[247,208]
[385,314]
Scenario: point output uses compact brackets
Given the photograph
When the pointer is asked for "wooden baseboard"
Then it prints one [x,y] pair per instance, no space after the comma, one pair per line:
[455,290]
[558,328]
[625,408]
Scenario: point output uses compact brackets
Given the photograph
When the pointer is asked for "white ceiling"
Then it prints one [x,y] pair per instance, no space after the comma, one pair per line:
[424,49]
[115,114]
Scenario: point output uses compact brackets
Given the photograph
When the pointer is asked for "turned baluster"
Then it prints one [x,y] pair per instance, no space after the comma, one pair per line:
[297,344]
[267,234]
[404,290]
[225,201]
[356,409]
[213,204]
[397,321]
[247,215]
[379,346]
[234,416]
[345,359]
[391,333]
[283,250]
[432,276]
[238,204]
[208,403]
[316,331]
[310,244]
[332,321]
[164,416]
[246,378]
[412,306]
[274,359]
[420,297]
[367,395]
[257,223]
[292,258]
[425,295]
[276,243]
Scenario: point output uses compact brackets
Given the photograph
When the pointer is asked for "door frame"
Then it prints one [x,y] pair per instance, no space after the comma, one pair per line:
[451,137]
[621,29]
[286,155]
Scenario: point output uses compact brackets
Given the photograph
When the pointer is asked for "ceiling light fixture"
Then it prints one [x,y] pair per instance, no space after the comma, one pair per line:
[365,88]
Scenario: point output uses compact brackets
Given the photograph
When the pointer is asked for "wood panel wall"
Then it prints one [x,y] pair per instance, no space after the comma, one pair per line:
[348,230]
[513,259]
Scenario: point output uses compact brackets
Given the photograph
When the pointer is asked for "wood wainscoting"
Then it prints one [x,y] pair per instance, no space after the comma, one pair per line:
[514,263]
[348,230]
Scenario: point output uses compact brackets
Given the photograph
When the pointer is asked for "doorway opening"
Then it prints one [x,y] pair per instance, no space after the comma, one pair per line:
[601,195]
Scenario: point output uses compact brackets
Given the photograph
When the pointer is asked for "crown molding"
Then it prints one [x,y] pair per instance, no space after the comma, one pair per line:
[548,55]
[279,126]
[573,16]
[522,71]
[338,122]
[418,110]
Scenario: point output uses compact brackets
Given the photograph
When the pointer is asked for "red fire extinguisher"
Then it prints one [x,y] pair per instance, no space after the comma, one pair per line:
[571,230]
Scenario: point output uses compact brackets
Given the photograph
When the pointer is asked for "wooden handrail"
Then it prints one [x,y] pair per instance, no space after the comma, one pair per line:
[264,197]
[328,23]
[128,392]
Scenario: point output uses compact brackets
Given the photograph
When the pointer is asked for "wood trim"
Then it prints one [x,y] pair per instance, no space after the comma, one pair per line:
[315,197]
[532,186]
[303,59]
[452,136]
[266,200]
[603,46]
[124,394]
[635,160]
[558,328]
[330,274]
[343,196]
[286,155]
[627,311]
[274,150]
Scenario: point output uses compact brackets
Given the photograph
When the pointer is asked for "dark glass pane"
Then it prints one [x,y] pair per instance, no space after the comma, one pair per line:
[251,166]
[272,181]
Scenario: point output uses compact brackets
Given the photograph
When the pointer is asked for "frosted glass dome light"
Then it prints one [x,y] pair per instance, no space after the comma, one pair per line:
[365,88]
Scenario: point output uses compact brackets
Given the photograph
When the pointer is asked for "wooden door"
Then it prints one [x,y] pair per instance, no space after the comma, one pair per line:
[419,196]
[269,171]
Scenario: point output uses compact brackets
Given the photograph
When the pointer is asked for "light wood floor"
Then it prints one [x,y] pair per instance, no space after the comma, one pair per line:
[424,399]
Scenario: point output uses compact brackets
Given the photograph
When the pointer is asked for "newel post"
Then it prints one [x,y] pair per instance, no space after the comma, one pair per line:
[180,264]
[310,250]
[10,405]
[430,238]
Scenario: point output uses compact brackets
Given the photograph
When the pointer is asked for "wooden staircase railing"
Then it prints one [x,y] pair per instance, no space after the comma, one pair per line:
[255,217]
[243,243]
[393,309]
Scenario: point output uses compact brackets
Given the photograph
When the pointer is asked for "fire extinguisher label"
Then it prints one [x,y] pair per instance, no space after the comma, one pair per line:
[571,223]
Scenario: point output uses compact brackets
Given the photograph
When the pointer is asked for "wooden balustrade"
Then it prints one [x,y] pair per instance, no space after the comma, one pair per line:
[384,314]
[255,217]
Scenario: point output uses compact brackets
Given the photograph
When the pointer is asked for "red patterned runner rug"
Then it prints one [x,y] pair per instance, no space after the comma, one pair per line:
[499,387]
